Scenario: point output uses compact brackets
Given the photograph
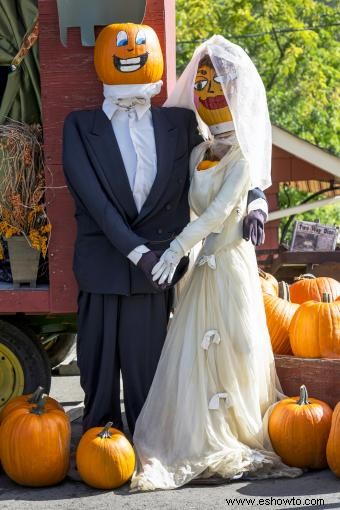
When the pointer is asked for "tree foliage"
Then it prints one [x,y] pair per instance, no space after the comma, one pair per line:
[299,66]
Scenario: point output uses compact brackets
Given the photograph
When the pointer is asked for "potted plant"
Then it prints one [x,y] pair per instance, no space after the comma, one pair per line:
[23,220]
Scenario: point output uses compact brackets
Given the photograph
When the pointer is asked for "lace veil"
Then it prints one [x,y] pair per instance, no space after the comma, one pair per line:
[246,98]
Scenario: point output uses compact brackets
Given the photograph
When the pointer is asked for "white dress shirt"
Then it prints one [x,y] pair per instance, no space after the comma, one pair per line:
[128,108]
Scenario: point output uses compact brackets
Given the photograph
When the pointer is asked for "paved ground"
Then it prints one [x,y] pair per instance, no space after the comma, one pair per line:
[289,494]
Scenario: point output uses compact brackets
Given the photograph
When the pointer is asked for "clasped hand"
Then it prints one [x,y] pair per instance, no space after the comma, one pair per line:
[165,269]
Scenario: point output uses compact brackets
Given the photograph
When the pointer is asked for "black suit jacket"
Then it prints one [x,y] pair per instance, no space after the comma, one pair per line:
[109,225]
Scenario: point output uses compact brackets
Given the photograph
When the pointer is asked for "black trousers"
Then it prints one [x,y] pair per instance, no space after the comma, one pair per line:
[119,334]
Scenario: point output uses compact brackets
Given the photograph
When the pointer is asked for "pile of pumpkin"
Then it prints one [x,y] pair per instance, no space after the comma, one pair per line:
[35,435]
[35,438]
[303,318]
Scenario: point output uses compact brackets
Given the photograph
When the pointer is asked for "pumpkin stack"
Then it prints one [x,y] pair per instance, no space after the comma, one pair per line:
[269,283]
[307,287]
[315,329]
[279,313]
[304,320]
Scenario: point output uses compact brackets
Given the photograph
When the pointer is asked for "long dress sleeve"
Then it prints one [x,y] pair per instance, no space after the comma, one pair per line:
[219,209]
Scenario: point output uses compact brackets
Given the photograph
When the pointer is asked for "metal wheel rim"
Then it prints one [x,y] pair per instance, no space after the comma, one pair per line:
[12,379]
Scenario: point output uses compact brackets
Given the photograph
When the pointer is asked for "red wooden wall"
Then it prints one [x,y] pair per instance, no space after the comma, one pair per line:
[68,82]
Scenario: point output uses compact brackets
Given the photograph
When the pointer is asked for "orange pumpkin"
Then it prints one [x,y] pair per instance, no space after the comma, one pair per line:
[299,429]
[35,445]
[279,313]
[269,283]
[29,401]
[127,53]
[333,444]
[105,458]
[307,287]
[209,98]
[205,164]
[314,331]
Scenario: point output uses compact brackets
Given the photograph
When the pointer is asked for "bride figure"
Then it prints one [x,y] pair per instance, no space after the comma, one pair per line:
[216,379]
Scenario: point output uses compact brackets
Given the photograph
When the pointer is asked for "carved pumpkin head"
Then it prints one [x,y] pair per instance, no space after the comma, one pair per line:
[209,98]
[126,53]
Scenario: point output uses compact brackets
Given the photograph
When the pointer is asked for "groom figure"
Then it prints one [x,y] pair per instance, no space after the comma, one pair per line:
[127,167]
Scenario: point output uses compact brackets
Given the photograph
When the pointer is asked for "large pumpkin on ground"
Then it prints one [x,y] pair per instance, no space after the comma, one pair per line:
[307,288]
[35,445]
[29,401]
[314,331]
[126,53]
[279,313]
[333,444]
[299,429]
[105,458]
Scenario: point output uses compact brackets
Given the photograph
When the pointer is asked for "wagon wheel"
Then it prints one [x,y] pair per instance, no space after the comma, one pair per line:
[23,364]
[58,346]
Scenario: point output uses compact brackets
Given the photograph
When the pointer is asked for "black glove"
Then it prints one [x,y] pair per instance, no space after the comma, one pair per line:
[253,227]
[146,263]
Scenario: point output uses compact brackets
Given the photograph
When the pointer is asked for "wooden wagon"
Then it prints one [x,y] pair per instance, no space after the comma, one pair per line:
[33,320]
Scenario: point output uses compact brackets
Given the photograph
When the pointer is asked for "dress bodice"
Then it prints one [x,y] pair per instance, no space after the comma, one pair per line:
[218,196]
[205,184]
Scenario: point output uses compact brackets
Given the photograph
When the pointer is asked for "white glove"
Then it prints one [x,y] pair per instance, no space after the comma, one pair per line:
[165,269]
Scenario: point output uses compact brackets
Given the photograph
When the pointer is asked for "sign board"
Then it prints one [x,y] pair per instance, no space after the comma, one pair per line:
[310,236]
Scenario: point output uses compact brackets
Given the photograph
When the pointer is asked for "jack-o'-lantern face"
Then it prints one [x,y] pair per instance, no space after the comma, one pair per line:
[126,53]
[209,99]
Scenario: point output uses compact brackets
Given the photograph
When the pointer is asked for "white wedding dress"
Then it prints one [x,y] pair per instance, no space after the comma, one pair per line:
[216,376]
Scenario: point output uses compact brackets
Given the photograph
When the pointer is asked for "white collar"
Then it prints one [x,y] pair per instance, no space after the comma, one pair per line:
[127,97]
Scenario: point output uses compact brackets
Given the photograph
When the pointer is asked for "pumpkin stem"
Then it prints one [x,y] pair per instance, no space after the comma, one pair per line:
[262,273]
[326,298]
[35,397]
[40,408]
[105,433]
[303,400]
[284,291]
[306,276]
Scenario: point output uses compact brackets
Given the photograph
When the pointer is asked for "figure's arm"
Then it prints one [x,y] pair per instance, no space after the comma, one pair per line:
[219,209]
[257,201]
[253,223]
[84,186]
[212,218]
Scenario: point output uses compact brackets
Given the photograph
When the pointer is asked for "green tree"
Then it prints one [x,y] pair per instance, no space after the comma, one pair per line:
[295,49]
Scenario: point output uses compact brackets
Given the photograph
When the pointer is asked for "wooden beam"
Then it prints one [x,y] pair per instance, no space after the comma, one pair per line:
[282,213]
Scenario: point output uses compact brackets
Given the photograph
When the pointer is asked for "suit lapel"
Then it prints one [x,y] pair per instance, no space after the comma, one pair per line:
[113,174]
[165,140]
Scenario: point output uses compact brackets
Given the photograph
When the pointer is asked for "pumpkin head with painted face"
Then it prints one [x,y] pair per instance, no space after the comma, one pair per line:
[126,53]
[209,98]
